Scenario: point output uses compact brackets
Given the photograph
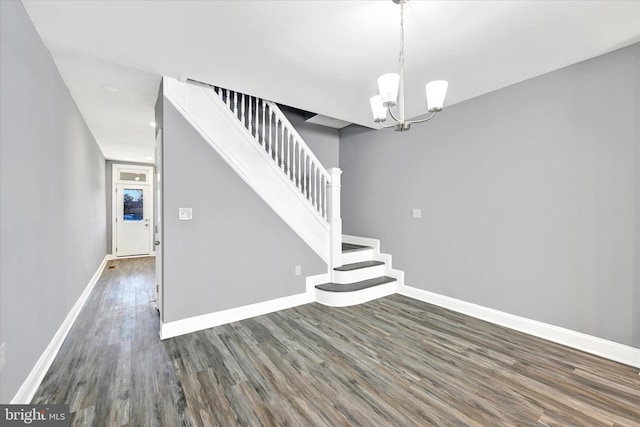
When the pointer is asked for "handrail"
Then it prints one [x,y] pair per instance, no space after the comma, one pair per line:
[280,167]
[295,133]
[271,129]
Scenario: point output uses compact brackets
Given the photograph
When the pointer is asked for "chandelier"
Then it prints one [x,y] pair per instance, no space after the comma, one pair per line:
[391,87]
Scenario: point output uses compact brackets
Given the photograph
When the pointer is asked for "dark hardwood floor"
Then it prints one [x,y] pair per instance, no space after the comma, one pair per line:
[393,361]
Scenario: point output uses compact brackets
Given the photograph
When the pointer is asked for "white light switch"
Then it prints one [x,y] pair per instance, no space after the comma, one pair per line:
[298,270]
[417,213]
[185,213]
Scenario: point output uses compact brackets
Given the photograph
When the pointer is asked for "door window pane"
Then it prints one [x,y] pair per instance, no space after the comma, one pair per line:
[133,205]
[132,176]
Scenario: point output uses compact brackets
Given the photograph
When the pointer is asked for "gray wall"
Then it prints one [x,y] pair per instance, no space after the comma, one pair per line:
[52,204]
[323,140]
[109,197]
[236,250]
[530,197]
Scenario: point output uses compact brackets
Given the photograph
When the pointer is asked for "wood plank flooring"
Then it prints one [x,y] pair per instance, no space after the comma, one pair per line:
[390,362]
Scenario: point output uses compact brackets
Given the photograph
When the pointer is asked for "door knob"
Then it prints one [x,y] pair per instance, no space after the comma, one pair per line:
[157,242]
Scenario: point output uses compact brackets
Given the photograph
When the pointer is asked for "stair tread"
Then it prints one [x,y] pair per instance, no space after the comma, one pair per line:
[351,247]
[355,286]
[358,265]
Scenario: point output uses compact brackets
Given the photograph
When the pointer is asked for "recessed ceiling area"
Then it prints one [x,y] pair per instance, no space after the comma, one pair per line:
[316,55]
[319,119]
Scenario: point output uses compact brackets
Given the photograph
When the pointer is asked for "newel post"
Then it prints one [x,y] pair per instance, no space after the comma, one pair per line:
[335,221]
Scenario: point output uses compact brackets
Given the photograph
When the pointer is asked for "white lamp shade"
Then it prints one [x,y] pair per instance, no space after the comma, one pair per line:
[388,86]
[379,111]
[436,92]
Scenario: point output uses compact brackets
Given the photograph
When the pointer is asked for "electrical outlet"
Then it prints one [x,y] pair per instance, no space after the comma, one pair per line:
[298,270]
[3,355]
[185,214]
[417,213]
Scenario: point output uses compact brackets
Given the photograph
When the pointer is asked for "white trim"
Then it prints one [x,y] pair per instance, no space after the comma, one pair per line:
[112,256]
[206,321]
[30,385]
[587,343]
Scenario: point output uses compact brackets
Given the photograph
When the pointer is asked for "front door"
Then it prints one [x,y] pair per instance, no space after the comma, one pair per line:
[133,226]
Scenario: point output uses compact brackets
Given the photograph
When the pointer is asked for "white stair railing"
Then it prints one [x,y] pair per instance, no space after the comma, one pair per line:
[279,144]
[276,135]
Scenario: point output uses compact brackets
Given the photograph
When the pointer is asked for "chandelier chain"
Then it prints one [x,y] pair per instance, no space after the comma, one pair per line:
[401,59]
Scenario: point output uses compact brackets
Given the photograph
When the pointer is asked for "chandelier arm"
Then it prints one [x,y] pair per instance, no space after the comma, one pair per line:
[386,126]
[393,115]
[426,119]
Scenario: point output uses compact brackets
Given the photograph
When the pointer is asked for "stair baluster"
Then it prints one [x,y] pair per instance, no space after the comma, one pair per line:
[299,161]
[275,138]
[270,139]
[282,152]
[251,116]
[271,130]
[242,117]
[315,187]
[263,122]
[290,144]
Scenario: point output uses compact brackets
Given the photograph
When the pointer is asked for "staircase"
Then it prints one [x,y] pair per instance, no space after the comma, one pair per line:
[256,139]
[366,274]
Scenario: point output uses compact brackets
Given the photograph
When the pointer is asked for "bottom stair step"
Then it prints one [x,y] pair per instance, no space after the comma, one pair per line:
[356,286]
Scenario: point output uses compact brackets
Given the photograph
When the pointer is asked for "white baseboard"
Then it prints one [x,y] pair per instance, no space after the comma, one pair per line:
[587,343]
[206,321]
[113,256]
[30,385]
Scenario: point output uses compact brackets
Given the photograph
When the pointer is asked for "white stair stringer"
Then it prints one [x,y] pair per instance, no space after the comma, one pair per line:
[213,120]
[345,299]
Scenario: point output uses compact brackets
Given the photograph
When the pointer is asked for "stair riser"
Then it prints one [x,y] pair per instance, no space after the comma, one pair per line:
[357,256]
[345,299]
[359,274]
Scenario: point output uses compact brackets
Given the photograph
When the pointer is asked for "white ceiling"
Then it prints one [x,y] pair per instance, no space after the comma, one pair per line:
[321,56]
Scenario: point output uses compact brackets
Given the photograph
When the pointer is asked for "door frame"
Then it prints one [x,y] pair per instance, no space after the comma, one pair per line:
[158,224]
[116,169]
